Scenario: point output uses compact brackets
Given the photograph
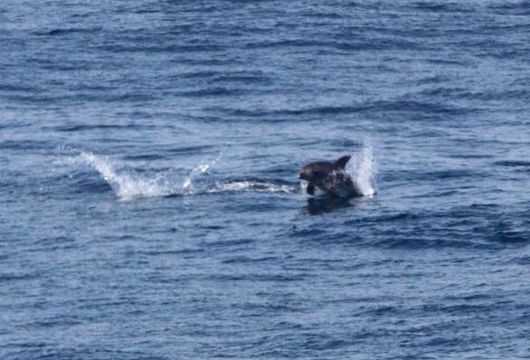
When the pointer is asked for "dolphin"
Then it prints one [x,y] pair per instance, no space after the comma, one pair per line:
[329,177]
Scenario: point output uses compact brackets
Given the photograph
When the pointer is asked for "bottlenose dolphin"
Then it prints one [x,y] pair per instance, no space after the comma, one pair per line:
[329,177]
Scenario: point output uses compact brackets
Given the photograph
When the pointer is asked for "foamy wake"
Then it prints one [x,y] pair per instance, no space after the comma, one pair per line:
[255,186]
[362,169]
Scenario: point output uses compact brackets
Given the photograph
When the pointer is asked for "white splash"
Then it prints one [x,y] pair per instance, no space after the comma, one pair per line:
[125,185]
[187,185]
[129,186]
[303,186]
[362,169]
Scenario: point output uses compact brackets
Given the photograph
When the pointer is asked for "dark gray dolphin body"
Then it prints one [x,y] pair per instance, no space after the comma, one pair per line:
[329,177]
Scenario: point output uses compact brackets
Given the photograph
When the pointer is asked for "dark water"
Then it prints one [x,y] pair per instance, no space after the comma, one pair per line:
[150,206]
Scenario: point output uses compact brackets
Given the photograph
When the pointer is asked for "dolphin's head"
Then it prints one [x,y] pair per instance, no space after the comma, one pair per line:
[313,173]
[327,176]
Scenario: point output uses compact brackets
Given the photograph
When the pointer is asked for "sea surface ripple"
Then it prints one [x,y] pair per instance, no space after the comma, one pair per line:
[149,194]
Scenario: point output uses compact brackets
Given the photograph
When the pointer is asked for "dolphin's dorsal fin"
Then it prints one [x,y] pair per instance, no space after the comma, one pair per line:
[341,163]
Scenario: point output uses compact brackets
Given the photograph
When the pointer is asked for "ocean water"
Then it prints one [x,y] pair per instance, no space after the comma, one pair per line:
[150,207]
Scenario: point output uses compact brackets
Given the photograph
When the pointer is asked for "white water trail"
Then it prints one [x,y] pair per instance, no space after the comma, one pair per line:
[254,186]
[362,169]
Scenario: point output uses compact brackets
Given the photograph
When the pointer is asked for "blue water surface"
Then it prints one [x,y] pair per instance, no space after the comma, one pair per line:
[150,207]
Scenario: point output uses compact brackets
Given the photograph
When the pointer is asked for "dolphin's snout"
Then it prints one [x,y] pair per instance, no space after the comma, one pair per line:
[303,175]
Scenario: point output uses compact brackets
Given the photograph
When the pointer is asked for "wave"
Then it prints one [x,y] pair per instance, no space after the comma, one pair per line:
[396,105]
[513,163]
